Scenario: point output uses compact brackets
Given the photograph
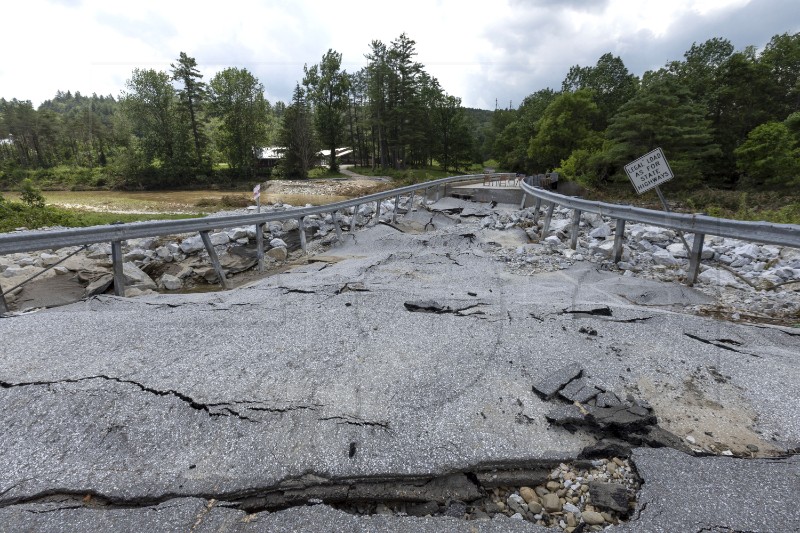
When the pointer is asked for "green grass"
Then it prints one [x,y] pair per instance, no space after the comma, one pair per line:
[771,206]
[15,215]
[323,173]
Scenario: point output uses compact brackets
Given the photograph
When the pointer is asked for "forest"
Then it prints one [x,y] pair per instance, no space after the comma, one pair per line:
[725,118]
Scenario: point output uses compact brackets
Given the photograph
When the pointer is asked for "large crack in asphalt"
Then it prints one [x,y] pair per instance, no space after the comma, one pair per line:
[211,409]
[525,490]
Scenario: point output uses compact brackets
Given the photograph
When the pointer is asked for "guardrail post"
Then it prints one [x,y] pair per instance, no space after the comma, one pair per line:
[301,229]
[377,212]
[396,207]
[522,203]
[576,222]
[3,304]
[619,233]
[411,202]
[536,207]
[354,220]
[438,193]
[335,217]
[694,258]
[116,261]
[260,246]
[547,218]
[212,255]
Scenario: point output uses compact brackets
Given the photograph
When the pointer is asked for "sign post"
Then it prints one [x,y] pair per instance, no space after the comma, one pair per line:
[650,171]
[257,197]
[259,229]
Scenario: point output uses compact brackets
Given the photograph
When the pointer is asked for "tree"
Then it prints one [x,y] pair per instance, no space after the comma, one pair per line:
[150,106]
[662,114]
[513,129]
[297,137]
[327,88]
[566,125]
[611,84]
[237,100]
[770,156]
[192,98]
[449,127]
[782,57]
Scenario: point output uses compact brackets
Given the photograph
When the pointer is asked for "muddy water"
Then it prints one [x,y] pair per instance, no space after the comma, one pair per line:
[169,201]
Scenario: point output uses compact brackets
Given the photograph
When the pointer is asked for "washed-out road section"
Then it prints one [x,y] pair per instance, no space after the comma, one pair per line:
[164,413]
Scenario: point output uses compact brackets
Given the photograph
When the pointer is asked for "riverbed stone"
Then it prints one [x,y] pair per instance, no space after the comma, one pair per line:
[170,282]
[551,503]
[593,518]
[192,244]
[278,254]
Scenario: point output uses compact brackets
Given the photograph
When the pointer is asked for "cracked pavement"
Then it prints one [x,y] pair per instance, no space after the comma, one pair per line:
[412,354]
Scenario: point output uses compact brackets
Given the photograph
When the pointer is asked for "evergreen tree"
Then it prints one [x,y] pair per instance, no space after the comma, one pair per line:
[297,137]
[192,97]
[662,114]
[327,88]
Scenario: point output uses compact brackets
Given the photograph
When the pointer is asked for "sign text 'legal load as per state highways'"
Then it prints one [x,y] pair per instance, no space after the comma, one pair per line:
[649,171]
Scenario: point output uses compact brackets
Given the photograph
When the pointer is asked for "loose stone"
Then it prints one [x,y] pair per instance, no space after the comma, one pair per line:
[593,518]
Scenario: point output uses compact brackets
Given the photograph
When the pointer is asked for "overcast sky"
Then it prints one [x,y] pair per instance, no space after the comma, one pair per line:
[480,50]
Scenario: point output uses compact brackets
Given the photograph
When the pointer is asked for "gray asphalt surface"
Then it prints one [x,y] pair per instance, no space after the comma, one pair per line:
[165,407]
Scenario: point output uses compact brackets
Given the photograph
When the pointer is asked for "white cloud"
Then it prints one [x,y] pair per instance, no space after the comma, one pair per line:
[479,51]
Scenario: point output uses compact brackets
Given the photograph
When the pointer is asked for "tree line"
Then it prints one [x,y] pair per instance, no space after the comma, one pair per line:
[170,128]
[723,117]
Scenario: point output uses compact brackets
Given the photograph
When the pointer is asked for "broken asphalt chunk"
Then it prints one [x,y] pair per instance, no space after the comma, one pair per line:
[622,417]
[549,385]
[609,496]
[567,415]
[579,390]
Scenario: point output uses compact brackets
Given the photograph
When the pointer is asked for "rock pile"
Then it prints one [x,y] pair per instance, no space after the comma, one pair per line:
[748,280]
[179,262]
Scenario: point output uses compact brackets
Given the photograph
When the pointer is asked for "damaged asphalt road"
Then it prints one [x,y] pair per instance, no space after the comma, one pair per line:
[413,357]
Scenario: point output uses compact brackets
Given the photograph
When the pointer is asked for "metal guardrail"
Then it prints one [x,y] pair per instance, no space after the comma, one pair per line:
[28,241]
[700,225]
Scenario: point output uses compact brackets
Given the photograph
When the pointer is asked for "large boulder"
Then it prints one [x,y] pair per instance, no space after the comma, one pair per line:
[192,244]
[136,278]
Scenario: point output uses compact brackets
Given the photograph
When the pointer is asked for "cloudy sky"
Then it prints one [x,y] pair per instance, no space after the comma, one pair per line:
[484,51]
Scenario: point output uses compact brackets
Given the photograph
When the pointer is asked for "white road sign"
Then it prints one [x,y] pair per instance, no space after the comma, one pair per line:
[256,191]
[649,171]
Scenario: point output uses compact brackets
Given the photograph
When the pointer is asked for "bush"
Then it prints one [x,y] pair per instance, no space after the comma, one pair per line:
[30,194]
[230,200]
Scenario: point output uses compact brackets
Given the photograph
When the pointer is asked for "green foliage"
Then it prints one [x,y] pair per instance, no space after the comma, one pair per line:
[770,206]
[769,157]
[237,100]
[662,114]
[30,194]
[16,215]
[192,98]
[610,82]
[583,166]
[297,137]
[566,125]
[327,87]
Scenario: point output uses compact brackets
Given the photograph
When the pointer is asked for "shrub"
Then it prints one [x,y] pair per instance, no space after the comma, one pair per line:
[30,194]
[230,200]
